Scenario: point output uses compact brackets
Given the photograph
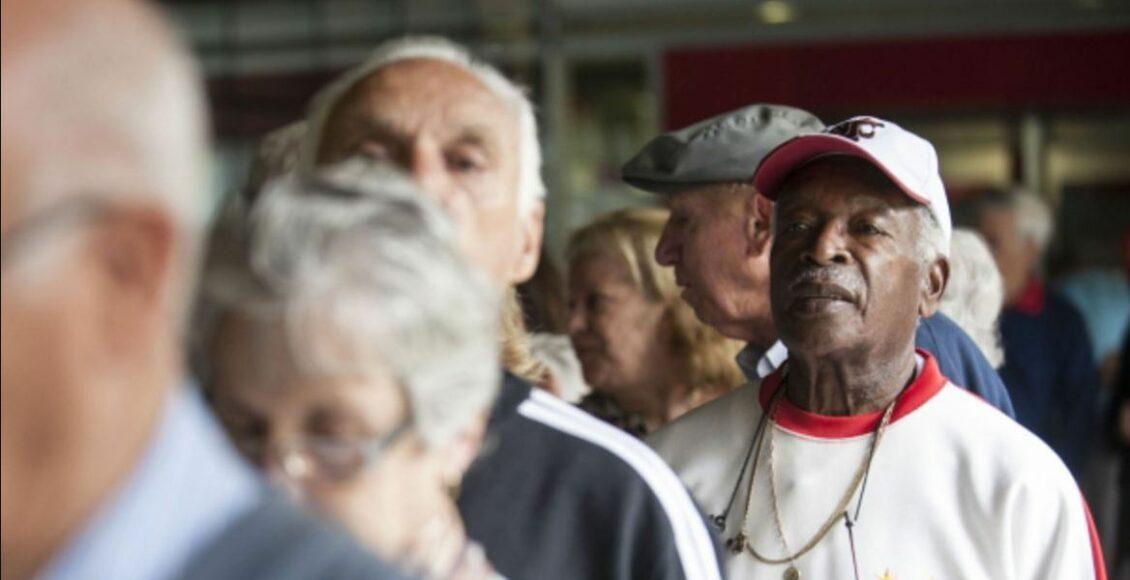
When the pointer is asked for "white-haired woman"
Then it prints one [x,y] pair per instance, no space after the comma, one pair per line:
[975,293]
[352,356]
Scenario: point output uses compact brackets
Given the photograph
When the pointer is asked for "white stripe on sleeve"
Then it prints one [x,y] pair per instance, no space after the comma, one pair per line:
[692,540]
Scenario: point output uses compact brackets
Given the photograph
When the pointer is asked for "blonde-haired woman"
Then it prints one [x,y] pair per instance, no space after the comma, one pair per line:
[646,356]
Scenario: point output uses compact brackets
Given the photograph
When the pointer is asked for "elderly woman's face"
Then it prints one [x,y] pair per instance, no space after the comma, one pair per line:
[844,271]
[333,443]
[620,336]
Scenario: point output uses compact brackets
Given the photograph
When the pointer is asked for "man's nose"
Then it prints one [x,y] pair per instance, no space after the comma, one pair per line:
[667,249]
[429,170]
[828,246]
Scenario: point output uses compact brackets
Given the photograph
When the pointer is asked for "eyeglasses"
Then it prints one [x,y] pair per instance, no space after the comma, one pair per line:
[72,211]
[318,456]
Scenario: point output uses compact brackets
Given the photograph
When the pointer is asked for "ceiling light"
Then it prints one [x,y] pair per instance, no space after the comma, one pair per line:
[776,12]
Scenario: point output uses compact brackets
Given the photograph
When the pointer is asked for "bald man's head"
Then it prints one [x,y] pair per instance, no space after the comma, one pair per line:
[103,151]
[98,98]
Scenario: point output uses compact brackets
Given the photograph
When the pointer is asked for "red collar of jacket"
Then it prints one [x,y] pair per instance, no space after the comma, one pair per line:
[1031,300]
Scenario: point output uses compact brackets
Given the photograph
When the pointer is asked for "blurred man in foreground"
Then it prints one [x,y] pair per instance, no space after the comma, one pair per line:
[556,492]
[110,468]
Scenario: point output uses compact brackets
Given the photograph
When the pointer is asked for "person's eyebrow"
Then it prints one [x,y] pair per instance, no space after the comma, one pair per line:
[382,129]
[876,211]
[476,135]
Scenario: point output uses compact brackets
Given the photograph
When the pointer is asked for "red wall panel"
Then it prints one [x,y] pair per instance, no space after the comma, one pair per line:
[1073,70]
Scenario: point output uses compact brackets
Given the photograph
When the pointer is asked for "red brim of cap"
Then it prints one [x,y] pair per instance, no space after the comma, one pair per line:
[792,154]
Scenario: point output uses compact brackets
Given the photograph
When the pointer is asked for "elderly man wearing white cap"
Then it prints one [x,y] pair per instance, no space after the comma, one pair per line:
[718,239]
[863,460]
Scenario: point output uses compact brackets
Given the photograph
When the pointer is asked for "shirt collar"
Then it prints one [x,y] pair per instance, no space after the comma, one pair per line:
[927,382]
[188,486]
[1031,300]
[757,365]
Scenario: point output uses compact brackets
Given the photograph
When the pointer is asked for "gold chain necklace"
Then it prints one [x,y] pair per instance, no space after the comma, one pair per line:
[791,573]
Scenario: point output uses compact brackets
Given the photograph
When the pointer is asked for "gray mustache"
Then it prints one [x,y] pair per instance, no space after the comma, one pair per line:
[825,281]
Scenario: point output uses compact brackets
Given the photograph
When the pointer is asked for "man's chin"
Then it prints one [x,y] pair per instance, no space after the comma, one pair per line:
[726,326]
[702,311]
[816,333]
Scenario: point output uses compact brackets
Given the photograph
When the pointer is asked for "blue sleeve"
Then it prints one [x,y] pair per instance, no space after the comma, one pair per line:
[961,361]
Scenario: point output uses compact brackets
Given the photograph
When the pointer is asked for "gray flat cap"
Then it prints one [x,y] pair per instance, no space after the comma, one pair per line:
[726,148]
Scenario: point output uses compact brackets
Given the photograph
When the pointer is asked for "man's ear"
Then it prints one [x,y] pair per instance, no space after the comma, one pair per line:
[531,227]
[136,252]
[758,212]
[933,287]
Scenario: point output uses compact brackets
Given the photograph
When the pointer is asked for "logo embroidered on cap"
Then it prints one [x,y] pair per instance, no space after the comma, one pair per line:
[856,128]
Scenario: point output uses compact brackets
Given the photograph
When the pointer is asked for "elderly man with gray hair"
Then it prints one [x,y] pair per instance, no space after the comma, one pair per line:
[555,493]
[110,466]
[1049,363]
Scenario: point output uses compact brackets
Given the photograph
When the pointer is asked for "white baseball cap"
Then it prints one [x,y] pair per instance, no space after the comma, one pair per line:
[908,160]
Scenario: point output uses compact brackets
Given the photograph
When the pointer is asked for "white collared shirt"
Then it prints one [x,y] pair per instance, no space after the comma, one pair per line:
[757,365]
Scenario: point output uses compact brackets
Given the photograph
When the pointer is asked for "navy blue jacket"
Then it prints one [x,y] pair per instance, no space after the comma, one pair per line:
[1050,373]
[961,361]
[558,494]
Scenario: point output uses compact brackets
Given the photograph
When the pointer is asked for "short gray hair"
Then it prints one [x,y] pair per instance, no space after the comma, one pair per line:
[931,242]
[531,187]
[1033,218]
[363,273]
[276,155]
[975,294]
[113,120]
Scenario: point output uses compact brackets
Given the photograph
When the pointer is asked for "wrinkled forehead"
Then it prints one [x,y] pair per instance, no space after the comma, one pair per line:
[841,184]
[420,96]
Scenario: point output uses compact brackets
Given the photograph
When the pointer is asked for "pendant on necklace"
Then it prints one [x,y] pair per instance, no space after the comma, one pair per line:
[736,544]
[791,573]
